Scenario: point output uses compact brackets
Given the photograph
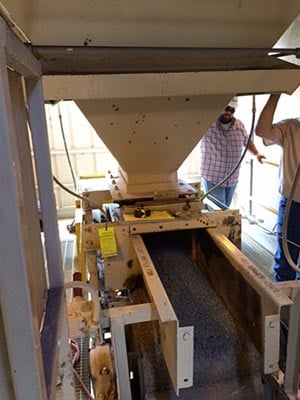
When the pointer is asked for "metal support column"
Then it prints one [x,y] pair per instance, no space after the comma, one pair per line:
[38,128]
[251,188]
[29,353]
[18,318]
[291,379]
[119,318]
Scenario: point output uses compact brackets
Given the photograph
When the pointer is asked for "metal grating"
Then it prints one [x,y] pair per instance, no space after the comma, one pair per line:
[259,247]
[68,248]
[82,368]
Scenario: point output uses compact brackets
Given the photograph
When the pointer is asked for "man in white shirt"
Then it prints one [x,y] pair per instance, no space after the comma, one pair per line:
[286,134]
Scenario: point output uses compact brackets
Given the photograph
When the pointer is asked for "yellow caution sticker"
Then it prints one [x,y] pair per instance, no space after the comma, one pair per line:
[154,216]
[107,240]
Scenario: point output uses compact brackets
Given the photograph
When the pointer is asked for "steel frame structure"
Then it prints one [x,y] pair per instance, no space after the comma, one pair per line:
[34,285]
[34,339]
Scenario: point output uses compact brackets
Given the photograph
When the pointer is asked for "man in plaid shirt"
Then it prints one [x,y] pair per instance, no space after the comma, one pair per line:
[221,148]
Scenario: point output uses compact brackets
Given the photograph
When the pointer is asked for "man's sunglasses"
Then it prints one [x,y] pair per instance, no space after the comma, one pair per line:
[230,109]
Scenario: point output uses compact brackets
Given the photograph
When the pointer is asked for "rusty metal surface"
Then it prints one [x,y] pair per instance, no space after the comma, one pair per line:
[248,294]
[231,286]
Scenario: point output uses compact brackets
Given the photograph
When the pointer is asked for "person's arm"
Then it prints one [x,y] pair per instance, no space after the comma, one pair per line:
[252,148]
[264,127]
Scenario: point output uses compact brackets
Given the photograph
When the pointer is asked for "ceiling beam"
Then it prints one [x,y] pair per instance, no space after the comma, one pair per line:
[63,60]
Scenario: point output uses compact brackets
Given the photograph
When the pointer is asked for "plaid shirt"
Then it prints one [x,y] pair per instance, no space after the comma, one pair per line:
[221,150]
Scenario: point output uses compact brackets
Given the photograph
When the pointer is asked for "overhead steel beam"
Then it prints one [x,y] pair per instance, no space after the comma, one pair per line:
[30,371]
[64,60]
[18,57]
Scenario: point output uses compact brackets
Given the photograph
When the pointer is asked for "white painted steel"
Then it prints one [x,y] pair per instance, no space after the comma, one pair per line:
[185,356]
[272,339]
[153,283]
[38,129]
[18,57]
[121,316]
[151,136]
[178,355]
[291,380]
[27,198]
[256,23]
[169,84]
[259,23]
[20,245]
[164,24]
[14,279]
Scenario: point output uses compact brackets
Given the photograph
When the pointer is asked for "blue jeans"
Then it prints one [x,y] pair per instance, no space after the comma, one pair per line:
[222,196]
[283,271]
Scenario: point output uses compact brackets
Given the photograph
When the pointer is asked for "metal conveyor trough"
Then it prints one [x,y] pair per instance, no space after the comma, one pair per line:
[226,363]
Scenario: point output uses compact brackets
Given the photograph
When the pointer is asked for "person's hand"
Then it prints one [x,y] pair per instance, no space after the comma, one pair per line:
[260,157]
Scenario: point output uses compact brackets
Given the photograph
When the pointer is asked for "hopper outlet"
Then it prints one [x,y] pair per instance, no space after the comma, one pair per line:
[151,137]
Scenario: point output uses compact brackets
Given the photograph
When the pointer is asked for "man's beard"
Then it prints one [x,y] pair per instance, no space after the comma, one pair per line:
[225,119]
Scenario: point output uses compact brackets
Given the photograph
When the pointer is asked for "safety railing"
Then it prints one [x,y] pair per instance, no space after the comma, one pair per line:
[252,197]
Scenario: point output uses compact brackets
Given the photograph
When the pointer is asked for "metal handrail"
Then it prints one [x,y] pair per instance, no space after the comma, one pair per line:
[251,196]
[273,163]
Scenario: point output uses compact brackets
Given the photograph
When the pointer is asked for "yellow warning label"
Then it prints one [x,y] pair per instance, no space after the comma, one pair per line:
[154,216]
[107,240]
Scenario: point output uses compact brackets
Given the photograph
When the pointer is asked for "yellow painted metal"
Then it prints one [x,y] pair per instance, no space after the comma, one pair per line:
[79,244]
[272,163]
[154,216]
[91,176]
[269,208]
